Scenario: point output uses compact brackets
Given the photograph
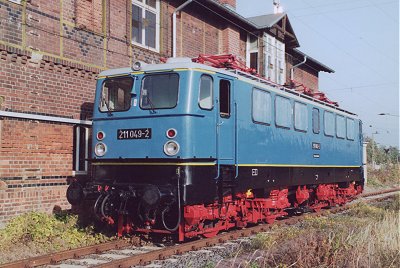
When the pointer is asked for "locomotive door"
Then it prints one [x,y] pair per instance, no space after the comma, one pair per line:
[226,114]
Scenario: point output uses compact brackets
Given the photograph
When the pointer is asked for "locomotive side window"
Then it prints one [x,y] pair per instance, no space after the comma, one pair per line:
[350,129]
[206,92]
[224,98]
[340,127]
[315,121]
[159,91]
[262,106]
[300,117]
[116,94]
[329,124]
[283,112]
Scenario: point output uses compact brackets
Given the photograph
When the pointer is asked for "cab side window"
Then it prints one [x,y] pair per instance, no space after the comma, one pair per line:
[224,98]
[206,92]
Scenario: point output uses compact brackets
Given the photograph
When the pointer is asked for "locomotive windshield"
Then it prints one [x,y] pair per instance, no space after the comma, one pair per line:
[159,91]
[116,94]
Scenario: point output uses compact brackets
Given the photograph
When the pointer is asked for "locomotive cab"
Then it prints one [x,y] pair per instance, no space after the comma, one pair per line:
[156,141]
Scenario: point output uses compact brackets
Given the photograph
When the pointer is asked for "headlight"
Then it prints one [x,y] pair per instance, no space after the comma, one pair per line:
[171,148]
[100,149]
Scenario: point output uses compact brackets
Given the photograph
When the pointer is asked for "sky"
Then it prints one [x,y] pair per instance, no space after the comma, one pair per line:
[359,39]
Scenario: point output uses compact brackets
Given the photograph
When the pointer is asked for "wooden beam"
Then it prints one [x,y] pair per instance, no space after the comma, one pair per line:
[284,23]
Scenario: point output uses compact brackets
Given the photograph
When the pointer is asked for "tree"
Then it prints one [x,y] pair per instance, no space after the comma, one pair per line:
[381,154]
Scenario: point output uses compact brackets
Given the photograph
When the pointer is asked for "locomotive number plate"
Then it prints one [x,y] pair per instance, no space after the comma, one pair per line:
[134,134]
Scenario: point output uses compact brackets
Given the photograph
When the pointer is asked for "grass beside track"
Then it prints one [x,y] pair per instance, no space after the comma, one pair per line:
[38,233]
[367,235]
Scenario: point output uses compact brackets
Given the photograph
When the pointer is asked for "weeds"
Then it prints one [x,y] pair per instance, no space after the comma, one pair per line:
[42,233]
[387,175]
[366,236]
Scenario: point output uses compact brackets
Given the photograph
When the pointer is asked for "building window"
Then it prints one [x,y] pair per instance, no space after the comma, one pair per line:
[206,92]
[340,126]
[300,117]
[350,129]
[254,60]
[81,149]
[252,52]
[283,112]
[329,124]
[315,121]
[146,23]
[262,106]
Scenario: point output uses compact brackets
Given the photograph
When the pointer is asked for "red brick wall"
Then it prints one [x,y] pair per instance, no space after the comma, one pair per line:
[303,74]
[89,15]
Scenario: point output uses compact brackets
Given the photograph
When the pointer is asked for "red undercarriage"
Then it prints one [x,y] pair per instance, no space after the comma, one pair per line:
[209,220]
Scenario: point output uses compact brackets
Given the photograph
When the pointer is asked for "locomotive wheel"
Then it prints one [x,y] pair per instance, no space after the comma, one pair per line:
[107,209]
[97,206]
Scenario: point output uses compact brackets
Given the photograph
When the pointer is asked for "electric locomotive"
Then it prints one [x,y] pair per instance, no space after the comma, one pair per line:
[186,149]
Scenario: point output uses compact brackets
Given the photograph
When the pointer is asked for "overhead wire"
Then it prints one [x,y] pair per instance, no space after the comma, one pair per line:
[345,9]
[340,48]
[384,11]
[347,53]
[360,39]
[363,86]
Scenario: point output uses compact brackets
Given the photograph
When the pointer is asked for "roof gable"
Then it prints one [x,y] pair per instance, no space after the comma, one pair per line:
[266,21]
[279,26]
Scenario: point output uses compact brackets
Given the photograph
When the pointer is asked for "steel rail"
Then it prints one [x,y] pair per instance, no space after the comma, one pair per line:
[145,258]
[54,258]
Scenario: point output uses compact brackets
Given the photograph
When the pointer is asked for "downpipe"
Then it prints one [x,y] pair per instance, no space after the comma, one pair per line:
[174,25]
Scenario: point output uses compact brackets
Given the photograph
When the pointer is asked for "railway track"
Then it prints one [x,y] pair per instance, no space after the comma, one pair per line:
[121,253]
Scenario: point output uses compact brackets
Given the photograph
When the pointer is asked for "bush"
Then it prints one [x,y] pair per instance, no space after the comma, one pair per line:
[43,233]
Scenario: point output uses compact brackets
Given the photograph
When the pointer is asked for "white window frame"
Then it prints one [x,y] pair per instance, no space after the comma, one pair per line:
[77,171]
[15,1]
[252,50]
[156,11]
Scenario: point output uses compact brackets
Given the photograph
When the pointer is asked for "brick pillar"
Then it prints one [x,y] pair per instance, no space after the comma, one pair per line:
[230,41]
[230,3]
[89,15]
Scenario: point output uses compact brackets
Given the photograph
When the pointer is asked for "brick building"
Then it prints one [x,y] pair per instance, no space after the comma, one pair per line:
[51,52]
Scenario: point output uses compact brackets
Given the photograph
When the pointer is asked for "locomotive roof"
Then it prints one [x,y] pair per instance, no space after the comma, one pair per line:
[186,63]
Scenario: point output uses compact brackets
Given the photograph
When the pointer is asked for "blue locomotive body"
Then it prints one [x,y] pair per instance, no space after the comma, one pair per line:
[185,133]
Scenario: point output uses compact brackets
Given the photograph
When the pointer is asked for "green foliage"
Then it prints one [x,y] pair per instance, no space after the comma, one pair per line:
[381,154]
[47,233]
